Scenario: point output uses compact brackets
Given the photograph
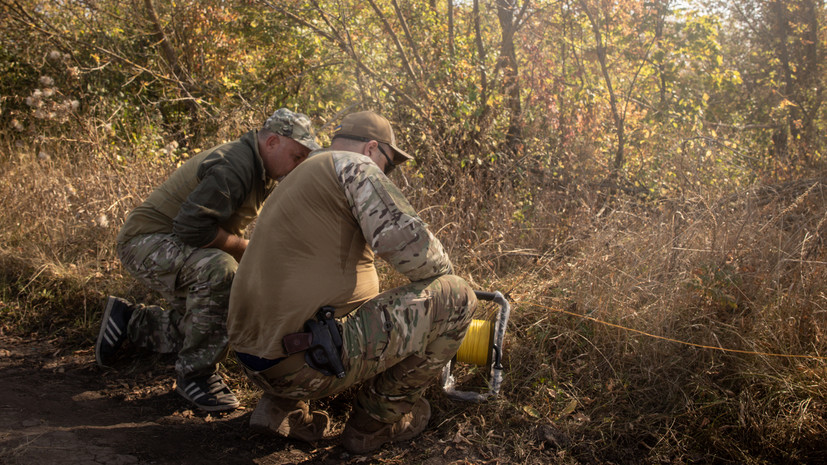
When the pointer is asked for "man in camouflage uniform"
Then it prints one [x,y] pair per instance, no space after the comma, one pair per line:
[185,241]
[314,247]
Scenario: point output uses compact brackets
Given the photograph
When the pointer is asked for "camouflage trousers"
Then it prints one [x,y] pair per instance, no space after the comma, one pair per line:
[396,344]
[196,283]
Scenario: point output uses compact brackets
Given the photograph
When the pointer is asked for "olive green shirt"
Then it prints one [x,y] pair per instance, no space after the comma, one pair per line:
[224,186]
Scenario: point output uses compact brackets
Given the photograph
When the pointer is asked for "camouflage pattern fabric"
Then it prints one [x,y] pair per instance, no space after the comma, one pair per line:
[297,126]
[396,344]
[196,282]
[389,223]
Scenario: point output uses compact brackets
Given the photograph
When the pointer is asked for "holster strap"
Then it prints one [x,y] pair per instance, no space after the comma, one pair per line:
[297,342]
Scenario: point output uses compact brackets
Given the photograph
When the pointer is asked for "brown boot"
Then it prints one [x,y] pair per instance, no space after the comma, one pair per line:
[363,434]
[289,418]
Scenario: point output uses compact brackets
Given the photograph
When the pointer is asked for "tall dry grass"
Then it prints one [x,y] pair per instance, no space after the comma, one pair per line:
[743,271]
[738,269]
[63,206]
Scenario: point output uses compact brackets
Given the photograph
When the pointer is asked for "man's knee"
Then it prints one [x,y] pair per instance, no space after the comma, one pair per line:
[456,291]
[217,270]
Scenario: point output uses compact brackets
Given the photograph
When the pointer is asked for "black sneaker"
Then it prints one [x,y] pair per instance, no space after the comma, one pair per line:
[113,329]
[207,393]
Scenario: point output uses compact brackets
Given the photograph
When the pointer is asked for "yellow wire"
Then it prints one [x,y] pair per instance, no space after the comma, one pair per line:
[655,336]
[476,347]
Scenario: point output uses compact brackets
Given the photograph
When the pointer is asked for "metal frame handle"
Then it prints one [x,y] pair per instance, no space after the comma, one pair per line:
[448,381]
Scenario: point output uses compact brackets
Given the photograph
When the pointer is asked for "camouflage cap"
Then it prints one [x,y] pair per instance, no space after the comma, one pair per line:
[293,125]
[370,126]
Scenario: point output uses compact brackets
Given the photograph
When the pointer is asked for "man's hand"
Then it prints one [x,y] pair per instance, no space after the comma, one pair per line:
[230,243]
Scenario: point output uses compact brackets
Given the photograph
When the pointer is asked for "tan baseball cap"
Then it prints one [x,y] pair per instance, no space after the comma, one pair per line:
[367,125]
[293,125]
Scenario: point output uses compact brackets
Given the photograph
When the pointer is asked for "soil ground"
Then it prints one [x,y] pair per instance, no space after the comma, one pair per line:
[58,406]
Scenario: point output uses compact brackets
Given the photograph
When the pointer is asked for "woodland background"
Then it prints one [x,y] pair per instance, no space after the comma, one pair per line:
[643,179]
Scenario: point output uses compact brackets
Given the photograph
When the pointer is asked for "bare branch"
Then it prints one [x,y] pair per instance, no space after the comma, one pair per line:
[643,62]
[406,64]
[481,54]
[451,29]
[185,81]
[348,50]
[408,35]
[521,17]
[324,16]
[594,19]
[41,26]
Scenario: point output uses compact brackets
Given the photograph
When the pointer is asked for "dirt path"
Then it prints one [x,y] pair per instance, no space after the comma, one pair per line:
[57,406]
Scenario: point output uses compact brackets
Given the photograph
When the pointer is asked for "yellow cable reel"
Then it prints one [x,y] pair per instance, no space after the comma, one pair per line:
[478,344]
[482,346]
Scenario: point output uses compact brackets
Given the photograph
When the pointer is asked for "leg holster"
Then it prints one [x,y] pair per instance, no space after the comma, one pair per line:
[325,351]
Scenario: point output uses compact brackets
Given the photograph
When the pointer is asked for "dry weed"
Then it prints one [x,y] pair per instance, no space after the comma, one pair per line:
[744,272]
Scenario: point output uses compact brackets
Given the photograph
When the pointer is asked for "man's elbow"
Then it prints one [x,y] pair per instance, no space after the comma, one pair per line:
[429,271]
[194,237]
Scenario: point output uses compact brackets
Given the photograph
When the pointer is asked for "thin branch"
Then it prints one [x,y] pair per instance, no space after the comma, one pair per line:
[594,19]
[406,64]
[324,18]
[163,41]
[185,81]
[451,31]
[350,48]
[643,62]
[521,17]
[408,35]
[31,24]
[481,54]
[347,49]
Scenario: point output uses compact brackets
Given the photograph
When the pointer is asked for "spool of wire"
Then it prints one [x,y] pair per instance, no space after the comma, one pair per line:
[482,345]
[478,344]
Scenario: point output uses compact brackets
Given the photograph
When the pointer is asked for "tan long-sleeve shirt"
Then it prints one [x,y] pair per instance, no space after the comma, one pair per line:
[314,246]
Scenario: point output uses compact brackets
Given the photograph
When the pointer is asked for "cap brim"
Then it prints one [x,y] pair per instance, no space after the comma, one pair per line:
[311,144]
[401,152]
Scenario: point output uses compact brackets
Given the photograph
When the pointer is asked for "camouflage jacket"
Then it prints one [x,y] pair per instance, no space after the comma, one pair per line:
[388,222]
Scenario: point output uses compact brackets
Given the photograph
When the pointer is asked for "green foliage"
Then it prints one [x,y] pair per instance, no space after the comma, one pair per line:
[677,76]
[716,286]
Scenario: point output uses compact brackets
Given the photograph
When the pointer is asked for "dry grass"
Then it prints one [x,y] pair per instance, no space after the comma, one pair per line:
[61,215]
[741,270]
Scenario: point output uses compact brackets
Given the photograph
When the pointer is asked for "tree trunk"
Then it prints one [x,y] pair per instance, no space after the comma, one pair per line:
[511,78]
[484,108]
[662,9]
[451,29]
[781,32]
[812,73]
[594,19]
[168,52]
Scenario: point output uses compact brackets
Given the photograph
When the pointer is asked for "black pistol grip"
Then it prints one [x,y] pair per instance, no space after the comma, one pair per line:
[336,346]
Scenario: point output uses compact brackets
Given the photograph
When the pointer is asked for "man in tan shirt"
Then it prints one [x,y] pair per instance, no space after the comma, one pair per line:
[313,248]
